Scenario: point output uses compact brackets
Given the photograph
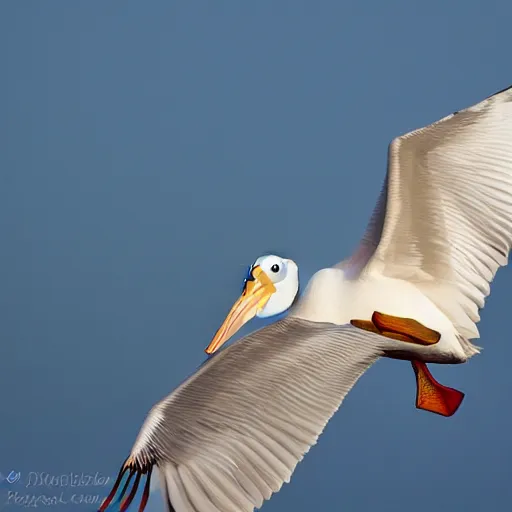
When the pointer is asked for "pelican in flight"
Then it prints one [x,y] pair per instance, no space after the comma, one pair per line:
[229,436]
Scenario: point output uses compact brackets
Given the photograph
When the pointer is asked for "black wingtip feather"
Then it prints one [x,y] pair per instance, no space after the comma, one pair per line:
[137,469]
[110,497]
[128,500]
[145,495]
[125,486]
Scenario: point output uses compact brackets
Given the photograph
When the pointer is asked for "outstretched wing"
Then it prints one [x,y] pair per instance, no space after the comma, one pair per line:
[232,434]
[444,217]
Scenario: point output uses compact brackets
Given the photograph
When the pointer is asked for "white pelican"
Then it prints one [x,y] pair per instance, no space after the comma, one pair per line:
[232,433]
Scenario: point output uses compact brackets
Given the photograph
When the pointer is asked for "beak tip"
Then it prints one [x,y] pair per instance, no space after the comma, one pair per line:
[211,349]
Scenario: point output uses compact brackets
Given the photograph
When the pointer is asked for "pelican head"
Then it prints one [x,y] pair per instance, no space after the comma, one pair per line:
[270,288]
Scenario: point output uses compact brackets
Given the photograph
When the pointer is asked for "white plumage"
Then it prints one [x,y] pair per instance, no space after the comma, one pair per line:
[443,219]
[232,433]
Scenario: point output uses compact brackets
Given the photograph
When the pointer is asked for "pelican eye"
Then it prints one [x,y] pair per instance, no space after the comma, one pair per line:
[275,268]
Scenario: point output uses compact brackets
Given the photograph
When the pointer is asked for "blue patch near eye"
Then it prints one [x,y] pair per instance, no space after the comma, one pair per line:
[248,277]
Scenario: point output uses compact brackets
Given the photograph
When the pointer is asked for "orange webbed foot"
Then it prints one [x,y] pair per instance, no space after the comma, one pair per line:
[431,395]
[402,329]
[406,326]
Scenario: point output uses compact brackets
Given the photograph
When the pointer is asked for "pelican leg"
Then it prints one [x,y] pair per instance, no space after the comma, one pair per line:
[430,395]
[407,326]
[368,325]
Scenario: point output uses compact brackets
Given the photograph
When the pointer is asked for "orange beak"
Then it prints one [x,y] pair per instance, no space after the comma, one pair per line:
[256,294]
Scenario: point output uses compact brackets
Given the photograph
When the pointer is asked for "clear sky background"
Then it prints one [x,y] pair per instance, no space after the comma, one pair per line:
[150,151]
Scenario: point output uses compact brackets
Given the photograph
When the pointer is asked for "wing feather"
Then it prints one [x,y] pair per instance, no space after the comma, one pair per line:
[444,216]
[233,433]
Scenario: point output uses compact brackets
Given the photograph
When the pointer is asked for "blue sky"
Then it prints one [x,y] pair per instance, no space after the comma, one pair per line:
[151,151]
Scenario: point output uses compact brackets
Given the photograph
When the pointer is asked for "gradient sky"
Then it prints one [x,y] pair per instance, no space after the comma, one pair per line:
[150,151]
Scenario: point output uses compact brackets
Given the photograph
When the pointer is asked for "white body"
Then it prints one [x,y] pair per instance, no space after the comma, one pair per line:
[233,432]
[440,230]
[331,297]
